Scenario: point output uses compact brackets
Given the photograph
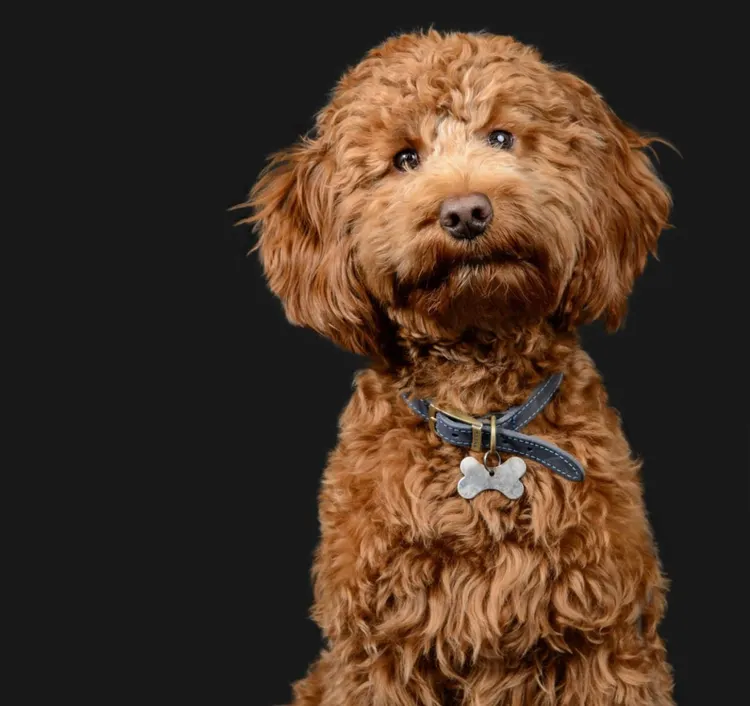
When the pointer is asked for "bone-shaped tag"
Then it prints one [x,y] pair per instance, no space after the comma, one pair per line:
[504,478]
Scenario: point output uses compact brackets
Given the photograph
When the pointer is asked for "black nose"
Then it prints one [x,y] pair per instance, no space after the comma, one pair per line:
[466,217]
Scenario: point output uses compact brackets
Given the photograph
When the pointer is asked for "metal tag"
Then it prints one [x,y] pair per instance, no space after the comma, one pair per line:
[505,478]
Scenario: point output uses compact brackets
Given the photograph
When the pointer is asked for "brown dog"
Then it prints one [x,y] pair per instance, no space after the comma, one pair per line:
[462,208]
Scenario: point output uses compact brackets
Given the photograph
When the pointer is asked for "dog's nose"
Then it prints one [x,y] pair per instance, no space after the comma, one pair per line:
[466,217]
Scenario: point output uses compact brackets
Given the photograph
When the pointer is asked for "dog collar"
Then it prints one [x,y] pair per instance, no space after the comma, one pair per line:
[500,431]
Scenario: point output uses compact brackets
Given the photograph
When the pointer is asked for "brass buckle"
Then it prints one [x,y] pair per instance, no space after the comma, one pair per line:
[476,425]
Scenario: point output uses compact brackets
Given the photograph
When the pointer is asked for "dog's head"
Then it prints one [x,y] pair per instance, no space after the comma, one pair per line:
[457,182]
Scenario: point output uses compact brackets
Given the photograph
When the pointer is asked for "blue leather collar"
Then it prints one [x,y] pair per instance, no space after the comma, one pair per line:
[477,435]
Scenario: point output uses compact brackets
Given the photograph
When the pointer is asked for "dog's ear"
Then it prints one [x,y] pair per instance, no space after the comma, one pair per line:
[629,208]
[306,254]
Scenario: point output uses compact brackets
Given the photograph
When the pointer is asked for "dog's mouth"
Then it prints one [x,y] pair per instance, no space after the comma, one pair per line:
[468,266]
[474,287]
[494,260]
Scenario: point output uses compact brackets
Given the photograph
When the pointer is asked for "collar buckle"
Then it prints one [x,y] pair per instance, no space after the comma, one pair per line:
[476,424]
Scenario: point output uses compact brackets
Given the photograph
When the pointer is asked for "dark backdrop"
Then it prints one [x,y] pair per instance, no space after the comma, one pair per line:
[674,372]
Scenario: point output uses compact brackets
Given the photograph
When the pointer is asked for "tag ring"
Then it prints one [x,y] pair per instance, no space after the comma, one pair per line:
[487,465]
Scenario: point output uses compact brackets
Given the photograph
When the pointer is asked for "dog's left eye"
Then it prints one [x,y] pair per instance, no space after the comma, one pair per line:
[406,159]
[501,139]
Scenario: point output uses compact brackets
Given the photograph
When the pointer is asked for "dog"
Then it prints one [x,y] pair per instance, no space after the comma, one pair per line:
[460,209]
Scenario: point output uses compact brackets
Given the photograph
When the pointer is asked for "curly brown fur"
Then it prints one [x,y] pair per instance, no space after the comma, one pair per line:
[425,597]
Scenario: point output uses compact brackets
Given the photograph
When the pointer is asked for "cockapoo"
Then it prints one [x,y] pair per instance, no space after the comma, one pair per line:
[461,208]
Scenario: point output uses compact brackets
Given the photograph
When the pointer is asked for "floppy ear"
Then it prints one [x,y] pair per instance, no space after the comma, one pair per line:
[629,209]
[307,257]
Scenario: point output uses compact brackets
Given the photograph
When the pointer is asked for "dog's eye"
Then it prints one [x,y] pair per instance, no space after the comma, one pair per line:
[406,159]
[500,139]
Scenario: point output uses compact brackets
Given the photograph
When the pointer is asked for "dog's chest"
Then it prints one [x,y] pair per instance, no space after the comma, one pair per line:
[469,570]
[471,580]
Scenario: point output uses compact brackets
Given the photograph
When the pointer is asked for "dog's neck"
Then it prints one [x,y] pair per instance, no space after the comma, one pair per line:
[482,371]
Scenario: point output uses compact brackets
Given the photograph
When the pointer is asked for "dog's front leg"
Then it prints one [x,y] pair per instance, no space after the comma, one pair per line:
[368,662]
[346,675]
[622,664]
[620,671]
[627,669]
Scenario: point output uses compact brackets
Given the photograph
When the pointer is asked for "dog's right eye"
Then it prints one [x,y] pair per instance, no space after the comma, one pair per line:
[406,159]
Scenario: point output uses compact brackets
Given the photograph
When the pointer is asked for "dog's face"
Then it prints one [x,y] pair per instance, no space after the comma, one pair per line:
[455,183]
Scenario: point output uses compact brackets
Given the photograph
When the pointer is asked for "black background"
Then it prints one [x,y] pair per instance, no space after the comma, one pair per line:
[675,372]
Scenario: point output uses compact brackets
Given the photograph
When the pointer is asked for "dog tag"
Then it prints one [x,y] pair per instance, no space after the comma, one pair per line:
[505,478]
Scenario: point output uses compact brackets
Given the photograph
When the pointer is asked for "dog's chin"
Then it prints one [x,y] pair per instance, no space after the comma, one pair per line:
[483,292]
